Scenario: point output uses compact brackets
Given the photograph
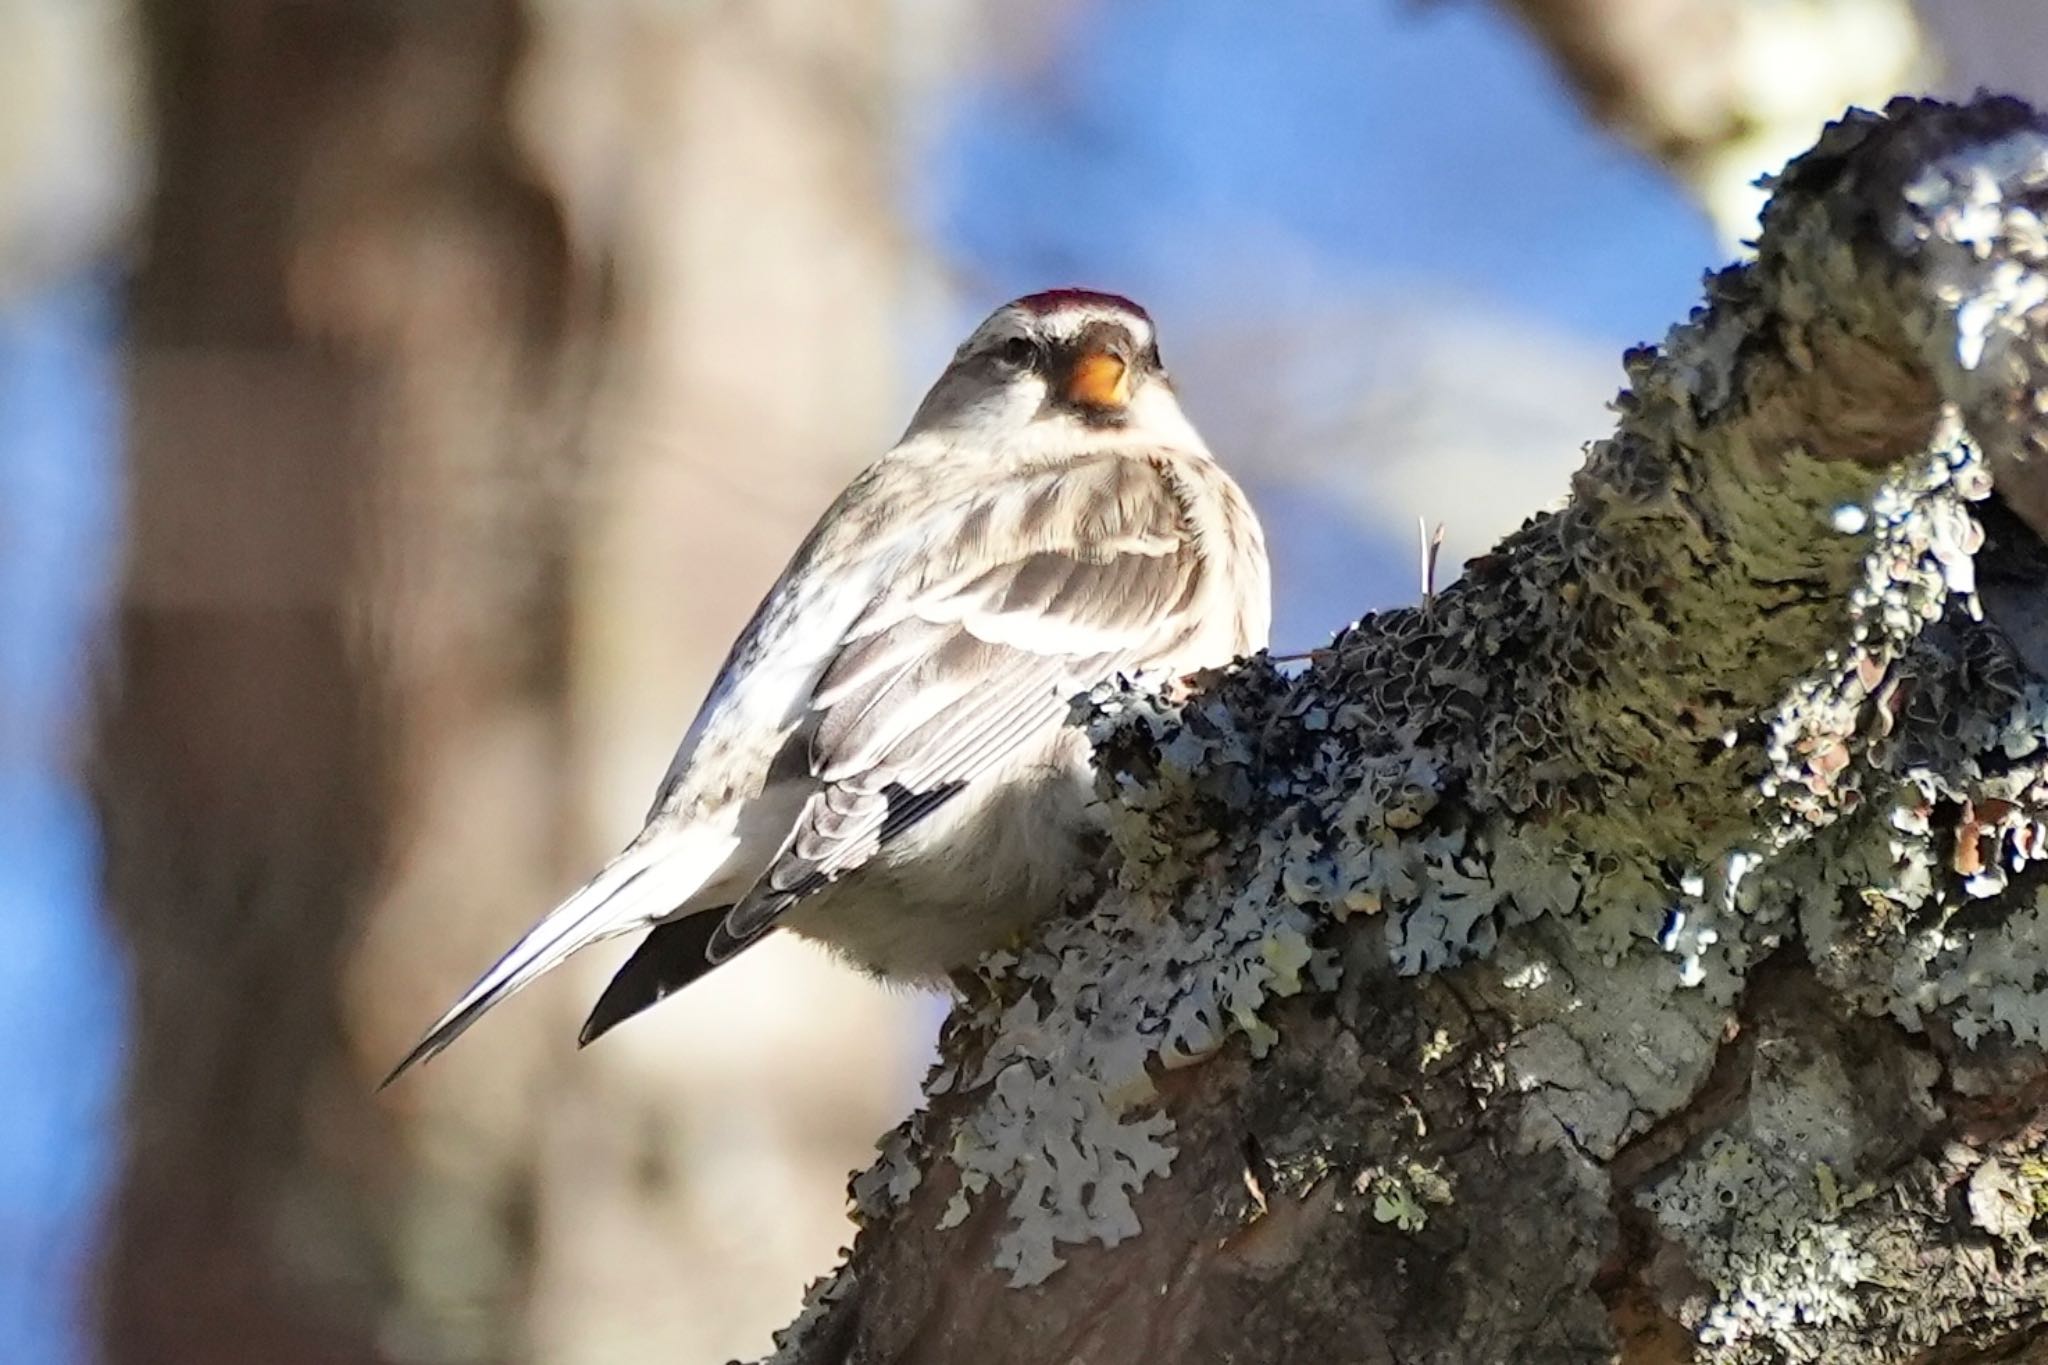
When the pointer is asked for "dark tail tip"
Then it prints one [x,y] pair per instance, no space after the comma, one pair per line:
[451,1026]
[668,959]
[422,1051]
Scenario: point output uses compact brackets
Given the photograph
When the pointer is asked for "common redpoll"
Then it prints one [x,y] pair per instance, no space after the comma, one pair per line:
[885,762]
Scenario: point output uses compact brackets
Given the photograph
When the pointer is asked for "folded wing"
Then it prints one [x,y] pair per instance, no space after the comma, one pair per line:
[1058,579]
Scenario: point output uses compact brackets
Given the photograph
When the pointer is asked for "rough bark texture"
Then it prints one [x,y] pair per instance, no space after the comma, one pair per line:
[1636,952]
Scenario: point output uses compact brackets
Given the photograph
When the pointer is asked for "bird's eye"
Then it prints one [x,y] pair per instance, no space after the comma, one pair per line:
[1152,361]
[1018,353]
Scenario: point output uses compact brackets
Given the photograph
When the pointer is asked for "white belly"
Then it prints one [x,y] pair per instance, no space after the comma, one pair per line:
[973,876]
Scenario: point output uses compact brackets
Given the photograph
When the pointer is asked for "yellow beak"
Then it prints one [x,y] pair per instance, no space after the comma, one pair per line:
[1098,380]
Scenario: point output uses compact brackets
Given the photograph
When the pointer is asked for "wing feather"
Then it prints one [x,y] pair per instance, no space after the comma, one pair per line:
[1067,576]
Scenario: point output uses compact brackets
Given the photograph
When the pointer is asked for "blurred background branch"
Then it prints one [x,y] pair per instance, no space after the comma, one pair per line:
[73,144]
[1721,93]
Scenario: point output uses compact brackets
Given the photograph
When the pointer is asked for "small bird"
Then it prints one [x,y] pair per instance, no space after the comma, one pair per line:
[884,763]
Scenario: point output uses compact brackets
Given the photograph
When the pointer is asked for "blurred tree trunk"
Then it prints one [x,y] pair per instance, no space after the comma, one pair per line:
[461,443]
[1989,45]
[253,750]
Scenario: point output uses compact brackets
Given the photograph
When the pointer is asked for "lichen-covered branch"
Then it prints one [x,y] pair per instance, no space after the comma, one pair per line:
[1639,951]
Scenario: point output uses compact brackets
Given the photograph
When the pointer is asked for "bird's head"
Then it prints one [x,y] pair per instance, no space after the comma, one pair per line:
[1060,363]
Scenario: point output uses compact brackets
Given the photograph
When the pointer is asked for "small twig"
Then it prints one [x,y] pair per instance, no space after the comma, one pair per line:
[1432,546]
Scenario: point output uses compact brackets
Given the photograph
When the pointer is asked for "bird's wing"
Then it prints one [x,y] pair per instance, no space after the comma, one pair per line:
[1054,579]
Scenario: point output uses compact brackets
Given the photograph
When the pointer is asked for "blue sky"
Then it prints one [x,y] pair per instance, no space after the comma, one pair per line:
[1382,143]
[60,979]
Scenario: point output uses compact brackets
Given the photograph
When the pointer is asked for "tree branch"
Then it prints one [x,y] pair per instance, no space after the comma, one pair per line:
[1634,952]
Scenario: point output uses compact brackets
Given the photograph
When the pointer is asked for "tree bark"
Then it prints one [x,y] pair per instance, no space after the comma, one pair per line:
[1634,952]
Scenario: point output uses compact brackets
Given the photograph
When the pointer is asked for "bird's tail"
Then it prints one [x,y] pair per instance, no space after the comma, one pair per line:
[655,875]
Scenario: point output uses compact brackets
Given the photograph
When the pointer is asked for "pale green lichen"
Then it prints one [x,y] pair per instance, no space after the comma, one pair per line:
[1403,1195]
[1759,1232]
[1064,1126]
[1598,1068]
[2003,1202]
[793,1343]
[895,1173]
